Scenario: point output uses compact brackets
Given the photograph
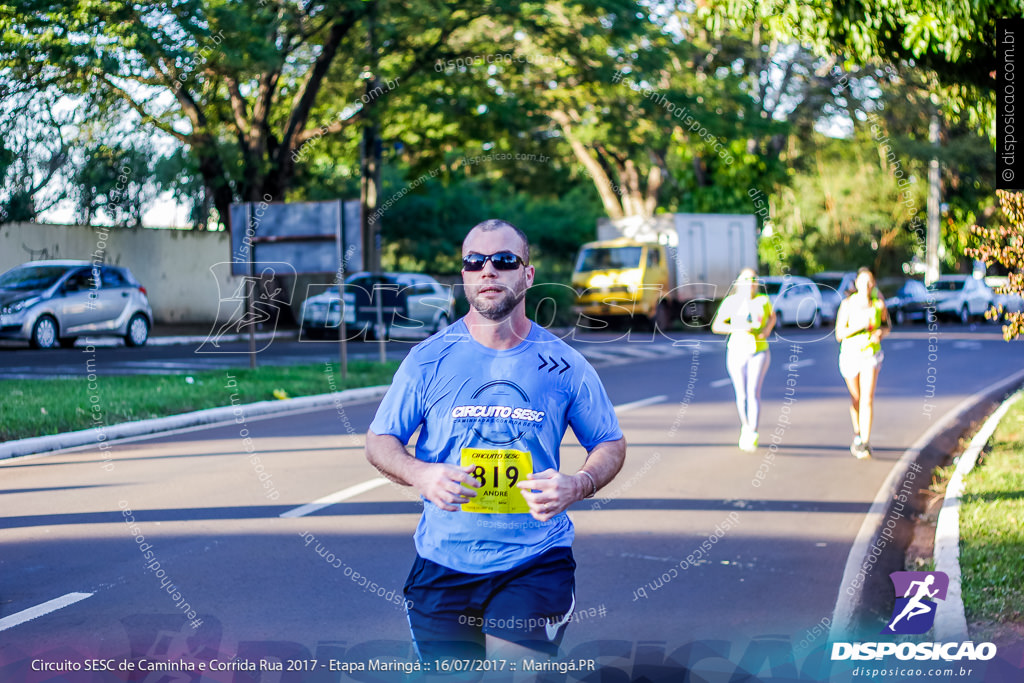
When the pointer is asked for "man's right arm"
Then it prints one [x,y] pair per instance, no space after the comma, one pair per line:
[440,483]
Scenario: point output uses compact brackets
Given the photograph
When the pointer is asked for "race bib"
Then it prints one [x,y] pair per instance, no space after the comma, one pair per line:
[498,470]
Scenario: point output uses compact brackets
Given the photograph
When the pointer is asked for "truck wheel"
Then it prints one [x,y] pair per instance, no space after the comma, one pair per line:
[694,312]
[965,315]
[662,318]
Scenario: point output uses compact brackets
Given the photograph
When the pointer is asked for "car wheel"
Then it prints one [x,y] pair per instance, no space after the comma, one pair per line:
[779,322]
[67,342]
[965,315]
[138,331]
[44,333]
[816,320]
[442,323]
[900,317]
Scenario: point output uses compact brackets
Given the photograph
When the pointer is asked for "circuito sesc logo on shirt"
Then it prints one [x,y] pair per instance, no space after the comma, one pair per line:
[501,412]
[916,595]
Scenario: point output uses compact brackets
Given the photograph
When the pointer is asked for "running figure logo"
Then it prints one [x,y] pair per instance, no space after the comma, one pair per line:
[916,593]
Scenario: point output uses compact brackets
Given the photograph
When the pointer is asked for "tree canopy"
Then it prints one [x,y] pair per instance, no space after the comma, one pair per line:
[954,41]
[556,112]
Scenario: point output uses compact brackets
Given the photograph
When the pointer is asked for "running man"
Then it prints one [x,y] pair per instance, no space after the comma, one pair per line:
[861,323]
[747,317]
[915,606]
[492,396]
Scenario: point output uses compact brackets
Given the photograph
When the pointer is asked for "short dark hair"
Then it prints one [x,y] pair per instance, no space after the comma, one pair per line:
[498,224]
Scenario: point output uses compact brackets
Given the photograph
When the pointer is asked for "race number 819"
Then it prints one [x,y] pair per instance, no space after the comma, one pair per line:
[498,470]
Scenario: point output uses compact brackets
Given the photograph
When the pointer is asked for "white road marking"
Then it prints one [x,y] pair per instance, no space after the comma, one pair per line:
[625,407]
[39,610]
[645,354]
[800,363]
[900,345]
[598,355]
[647,557]
[365,486]
[336,497]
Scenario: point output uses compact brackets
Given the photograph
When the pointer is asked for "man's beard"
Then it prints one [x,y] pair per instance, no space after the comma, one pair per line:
[496,310]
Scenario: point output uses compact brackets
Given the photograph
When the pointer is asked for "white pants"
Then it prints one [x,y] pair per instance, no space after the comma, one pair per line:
[747,373]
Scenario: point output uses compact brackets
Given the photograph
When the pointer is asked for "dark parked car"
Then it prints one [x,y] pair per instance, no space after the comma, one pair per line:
[906,299]
[412,305]
[47,303]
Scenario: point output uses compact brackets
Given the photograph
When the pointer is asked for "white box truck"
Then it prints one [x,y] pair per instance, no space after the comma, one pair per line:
[663,267]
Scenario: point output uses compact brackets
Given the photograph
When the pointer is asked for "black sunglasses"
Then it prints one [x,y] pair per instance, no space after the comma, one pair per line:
[503,260]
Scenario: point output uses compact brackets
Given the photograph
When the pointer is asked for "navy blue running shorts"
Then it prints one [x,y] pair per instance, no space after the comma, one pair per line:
[529,605]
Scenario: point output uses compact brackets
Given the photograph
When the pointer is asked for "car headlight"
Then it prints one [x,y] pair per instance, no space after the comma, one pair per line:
[16,306]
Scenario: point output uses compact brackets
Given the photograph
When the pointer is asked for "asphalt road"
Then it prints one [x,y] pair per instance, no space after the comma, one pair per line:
[696,549]
[18,361]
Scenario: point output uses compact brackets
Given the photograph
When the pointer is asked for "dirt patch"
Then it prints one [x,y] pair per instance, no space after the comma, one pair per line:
[921,551]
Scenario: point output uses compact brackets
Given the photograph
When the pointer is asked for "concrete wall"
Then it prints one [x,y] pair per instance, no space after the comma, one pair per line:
[177,267]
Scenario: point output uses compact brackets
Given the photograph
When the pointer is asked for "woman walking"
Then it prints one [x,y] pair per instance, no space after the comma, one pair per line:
[861,323]
[747,317]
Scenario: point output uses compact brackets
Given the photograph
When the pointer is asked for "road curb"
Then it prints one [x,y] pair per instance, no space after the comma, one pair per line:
[951,620]
[858,599]
[180,339]
[104,433]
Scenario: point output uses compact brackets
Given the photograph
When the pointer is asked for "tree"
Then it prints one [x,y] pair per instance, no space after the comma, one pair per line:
[953,40]
[243,86]
[1005,245]
[654,118]
[116,181]
[847,206]
[35,151]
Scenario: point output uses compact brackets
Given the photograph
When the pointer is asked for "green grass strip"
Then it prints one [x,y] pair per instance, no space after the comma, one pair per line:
[992,528]
[37,407]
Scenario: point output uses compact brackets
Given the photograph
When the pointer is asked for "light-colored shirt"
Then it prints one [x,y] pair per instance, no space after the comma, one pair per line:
[504,412]
[754,312]
[861,343]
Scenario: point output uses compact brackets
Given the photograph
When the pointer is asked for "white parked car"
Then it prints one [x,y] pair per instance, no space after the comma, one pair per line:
[52,303]
[412,305]
[797,300]
[1009,302]
[834,286]
[961,297]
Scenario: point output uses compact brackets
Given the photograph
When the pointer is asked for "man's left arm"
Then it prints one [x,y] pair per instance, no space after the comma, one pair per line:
[551,492]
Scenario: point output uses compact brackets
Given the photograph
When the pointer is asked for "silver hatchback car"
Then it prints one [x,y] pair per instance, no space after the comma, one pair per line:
[50,303]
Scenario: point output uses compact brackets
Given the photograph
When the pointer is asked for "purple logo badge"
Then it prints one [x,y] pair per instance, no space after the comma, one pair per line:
[916,593]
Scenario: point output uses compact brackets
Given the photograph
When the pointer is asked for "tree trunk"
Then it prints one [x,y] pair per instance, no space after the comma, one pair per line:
[612,205]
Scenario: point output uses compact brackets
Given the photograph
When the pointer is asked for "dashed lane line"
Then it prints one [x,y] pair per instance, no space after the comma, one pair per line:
[352,491]
[31,613]
[336,497]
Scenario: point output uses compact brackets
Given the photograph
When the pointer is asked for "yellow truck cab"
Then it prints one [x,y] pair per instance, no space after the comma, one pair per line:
[621,277]
[662,268]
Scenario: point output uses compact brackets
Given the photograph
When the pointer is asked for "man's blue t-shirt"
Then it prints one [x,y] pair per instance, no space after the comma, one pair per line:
[505,413]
